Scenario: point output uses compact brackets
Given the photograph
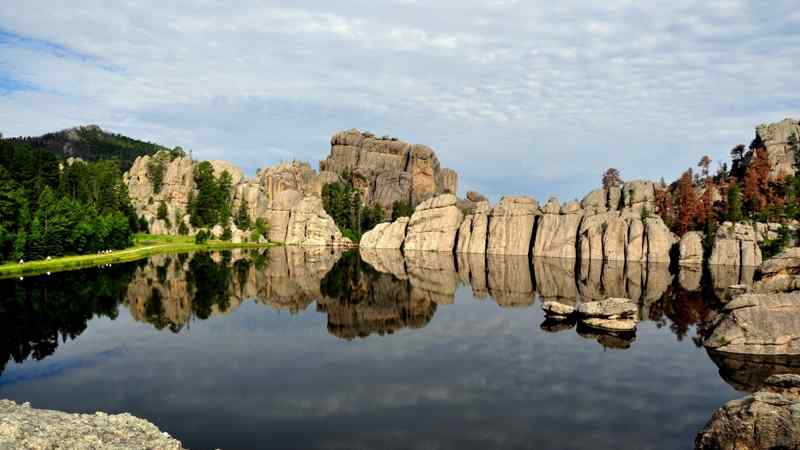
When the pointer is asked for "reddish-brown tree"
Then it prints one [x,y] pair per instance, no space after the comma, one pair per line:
[611,178]
[755,184]
[685,204]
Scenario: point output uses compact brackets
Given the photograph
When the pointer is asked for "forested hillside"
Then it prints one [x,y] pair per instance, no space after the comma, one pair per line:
[50,208]
[90,143]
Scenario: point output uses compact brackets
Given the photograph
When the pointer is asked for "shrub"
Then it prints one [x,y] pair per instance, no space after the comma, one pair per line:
[202,237]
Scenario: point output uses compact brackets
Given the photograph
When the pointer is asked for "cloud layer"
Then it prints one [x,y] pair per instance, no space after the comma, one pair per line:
[519,97]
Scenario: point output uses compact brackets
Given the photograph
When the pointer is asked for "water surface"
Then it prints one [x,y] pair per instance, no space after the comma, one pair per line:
[291,348]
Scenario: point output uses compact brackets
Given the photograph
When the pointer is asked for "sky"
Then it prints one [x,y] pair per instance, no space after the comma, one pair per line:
[519,97]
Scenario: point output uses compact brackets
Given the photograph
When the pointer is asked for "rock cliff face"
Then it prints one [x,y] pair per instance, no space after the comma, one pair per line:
[511,226]
[735,245]
[287,195]
[386,170]
[434,225]
[690,249]
[775,138]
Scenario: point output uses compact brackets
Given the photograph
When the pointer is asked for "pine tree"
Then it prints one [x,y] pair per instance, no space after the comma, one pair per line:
[734,203]
[242,219]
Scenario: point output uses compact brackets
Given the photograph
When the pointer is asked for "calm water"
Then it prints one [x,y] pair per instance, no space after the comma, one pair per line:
[289,348]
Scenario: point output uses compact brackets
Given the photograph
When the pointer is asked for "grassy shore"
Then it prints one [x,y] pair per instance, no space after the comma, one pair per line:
[144,246]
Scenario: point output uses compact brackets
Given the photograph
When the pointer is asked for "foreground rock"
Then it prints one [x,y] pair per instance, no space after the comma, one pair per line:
[759,324]
[24,427]
[768,419]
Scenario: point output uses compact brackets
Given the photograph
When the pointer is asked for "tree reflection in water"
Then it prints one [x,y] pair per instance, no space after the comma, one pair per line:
[361,294]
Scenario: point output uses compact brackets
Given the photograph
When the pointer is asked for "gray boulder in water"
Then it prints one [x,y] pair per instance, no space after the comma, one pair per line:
[767,419]
[759,324]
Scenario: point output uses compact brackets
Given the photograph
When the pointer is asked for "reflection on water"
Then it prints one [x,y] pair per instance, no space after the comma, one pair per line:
[134,308]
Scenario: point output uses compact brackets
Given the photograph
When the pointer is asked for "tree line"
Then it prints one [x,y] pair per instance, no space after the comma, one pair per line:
[700,200]
[50,208]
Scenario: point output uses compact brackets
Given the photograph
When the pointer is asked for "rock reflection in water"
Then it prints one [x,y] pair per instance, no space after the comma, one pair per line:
[360,301]
[748,372]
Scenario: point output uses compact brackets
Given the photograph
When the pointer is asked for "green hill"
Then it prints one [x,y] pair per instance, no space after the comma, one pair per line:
[90,143]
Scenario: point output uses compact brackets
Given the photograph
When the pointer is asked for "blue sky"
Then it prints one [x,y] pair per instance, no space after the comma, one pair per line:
[520,97]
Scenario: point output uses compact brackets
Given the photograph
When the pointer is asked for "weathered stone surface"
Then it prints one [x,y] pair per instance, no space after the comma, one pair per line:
[780,273]
[767,419]
[690,249]
[434,225]
[511,225]
[176,187]
[309,225]
[735,245]
[556,232]
[611,308]
[556,308]
[659,240]
[26,428]
[449,181]
[759,324]
[595,201]
[472,234]
[475,197]
[774,138]
[615,238]
[369,240]
[590,236]
[387,170]
[638,195]
[635,250]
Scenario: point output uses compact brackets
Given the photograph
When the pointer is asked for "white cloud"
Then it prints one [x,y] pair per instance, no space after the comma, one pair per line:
[529,97]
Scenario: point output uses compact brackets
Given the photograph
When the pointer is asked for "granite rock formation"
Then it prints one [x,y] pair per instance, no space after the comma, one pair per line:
[774,137]
[736,244]
[690,249]
[386,170]
[24,427]
[759,324]
[511,225]
[286,195]
[434,225]
[767,419]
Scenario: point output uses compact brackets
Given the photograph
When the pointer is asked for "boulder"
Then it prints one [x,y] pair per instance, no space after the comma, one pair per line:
[690,249]
[475,197]
[774,138]
[434,225]
[511,225]
[557,309]
[595,201]
[611,308]
[780,273]
[386,235]
[767,419]
[759,324]
[24,427]
[449,181]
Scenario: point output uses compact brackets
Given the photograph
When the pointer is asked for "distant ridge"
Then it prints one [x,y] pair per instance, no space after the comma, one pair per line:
[91,143]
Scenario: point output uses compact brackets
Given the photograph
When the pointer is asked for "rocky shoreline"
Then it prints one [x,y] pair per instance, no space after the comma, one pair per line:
[22,426]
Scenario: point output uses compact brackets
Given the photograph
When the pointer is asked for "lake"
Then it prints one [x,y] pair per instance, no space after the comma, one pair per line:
[290,348]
